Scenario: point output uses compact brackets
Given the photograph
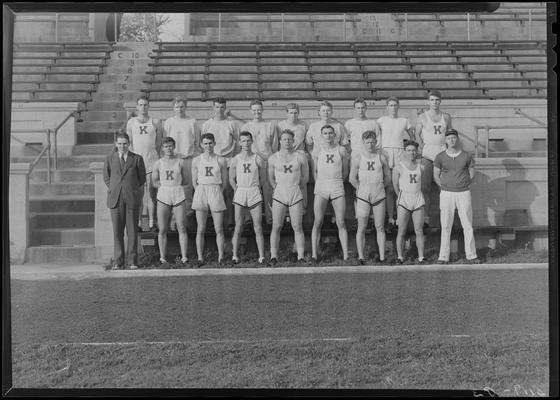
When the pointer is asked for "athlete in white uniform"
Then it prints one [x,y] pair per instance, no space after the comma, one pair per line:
[355,127]
[287,172]
[246,172]
[407,182]
[369,174]
[145,139]
[209,177]
[186,133]
[170,175]
[331,167]
[314,136]
[299,128]
[265,142]
[394,130]
[226,133]
[431,127]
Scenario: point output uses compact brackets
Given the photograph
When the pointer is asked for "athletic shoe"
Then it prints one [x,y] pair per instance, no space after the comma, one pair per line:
[421,262]
[361,261]
[132,266]
[261,261]
[234,260]
[116,267]
[164,264]
[442,262]
[153,228]
[199,263]
[314,261]
[273,261]
[399,261]
[221,263]
[474,261]
[301,261]
[185,262]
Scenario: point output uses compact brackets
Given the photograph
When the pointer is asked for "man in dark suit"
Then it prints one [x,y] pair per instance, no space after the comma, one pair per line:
[124,174]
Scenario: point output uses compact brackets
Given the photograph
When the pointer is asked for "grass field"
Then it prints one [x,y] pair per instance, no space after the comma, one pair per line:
[510,364]
[331,255]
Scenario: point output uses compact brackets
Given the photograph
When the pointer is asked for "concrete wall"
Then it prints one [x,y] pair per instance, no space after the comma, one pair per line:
[43,116]
[18,210]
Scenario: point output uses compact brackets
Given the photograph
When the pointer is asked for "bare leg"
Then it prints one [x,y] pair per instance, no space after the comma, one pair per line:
[239,217]
[256,214]
[296,218]
[218,218]
[418,220]
[402,222]
[427,177]
[339,207]
[180,213]
[319,206]
[379,219]
[163,216]
[278,213]
[200,232]
[361,236]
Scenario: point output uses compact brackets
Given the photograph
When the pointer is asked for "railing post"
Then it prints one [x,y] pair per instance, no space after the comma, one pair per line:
[530,25]
[344,27]
[282,29]
[468,26]
[55,151]
[405,26]
[475,142]
[155,28]
[49,178]
[115,26]
[487,142]
[56,27]
[219,27]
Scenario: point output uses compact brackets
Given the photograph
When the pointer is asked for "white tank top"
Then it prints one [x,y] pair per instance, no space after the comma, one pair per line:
[410,181]
[209,172]
[287,173]
[143,136]
[434,132]
[329,164]
[169,171]
[247,171]
[371,170]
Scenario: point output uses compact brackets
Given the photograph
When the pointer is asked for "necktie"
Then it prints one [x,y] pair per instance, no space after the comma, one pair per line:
[122,161]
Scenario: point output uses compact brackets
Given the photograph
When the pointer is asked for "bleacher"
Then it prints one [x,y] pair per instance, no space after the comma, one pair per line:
[340,71]
[46,72]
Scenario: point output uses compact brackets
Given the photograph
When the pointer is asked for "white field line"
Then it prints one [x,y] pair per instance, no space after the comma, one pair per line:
[222,341]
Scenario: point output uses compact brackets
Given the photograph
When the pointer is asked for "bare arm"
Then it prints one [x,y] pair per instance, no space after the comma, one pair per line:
[271,176]
[304,166]
[447,119]
[233,173]
[155,175]
[418,132]
[437,177]
[354,168]
[386,171]
[345,162]
[159,135]
[261,165]
[396,176]
[314,158]
[184,173]
[194,173]
[224,172]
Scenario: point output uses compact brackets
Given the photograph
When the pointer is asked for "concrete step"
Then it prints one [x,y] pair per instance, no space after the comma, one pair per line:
[69,204]
[50,220]
[46,254]
[100,104]
[82,161]
[52,86]
[51,96]
[122,78]
[62,175]
[97,149]
[121,96]
[118,86]
[89,138]
[61,188]
[65,237]
[106,115]
[98,125]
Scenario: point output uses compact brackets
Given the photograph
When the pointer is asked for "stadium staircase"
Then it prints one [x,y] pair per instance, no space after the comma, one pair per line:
[62,214]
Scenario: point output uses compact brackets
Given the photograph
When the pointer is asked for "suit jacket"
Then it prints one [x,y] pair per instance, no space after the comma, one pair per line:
[127,182]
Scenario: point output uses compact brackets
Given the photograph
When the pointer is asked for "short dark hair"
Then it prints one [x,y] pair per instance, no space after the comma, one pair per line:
[287,132]
[246,133]
[178,100]
[219,100]
[253,102]
[292,106]
[327,126]
[168,139]
[142,97]
[407,142]
[395,99]
[359,100]
[434,93]
[122,135]
[369,135]
[452,132]
[326,104]
[208,136]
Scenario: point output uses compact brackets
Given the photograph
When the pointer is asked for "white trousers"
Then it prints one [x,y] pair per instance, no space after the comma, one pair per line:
[448,202]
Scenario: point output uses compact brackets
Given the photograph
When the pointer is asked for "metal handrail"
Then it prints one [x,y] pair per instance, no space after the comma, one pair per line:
[46,148]
[75,113]
[487,128]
